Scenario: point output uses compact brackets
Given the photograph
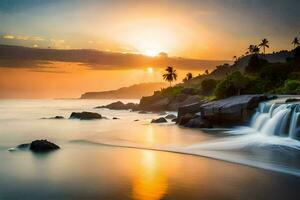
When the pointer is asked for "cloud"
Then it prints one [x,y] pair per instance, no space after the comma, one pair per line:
[25,57]
[9,37]
[22,37]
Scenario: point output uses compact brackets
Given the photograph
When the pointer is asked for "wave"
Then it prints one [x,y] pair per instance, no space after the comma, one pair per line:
[223,149]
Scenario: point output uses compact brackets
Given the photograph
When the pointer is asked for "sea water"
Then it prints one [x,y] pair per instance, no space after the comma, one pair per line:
[129,159]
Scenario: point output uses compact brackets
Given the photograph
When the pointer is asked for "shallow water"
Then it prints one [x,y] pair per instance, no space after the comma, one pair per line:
[84,168]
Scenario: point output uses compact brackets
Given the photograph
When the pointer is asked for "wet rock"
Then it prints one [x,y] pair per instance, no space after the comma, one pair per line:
[198,122]
[115,118]
[85,115]
[56,117]
[23,146]
[118,105]
[291,100]
[170,116]
[233,110]
[136,120]
[43,146]
[185,119]
[154,103]
[159,120]
[174,120]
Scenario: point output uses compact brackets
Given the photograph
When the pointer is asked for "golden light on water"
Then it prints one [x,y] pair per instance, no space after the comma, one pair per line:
[151,184]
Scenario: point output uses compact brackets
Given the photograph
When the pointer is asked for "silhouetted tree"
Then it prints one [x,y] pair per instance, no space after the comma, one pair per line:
[253,49]
[255,64]
[188,76]
[264,43]
[296,42]
[171,75]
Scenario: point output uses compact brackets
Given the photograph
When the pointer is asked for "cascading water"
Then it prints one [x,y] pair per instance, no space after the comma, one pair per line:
[277,119]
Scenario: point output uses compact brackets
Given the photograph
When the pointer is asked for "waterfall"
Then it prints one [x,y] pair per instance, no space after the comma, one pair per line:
[277,119]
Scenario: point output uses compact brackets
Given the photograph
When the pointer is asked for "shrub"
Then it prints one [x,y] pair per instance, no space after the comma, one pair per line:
[208,86]
[290,87]
[255,64]
[233,84]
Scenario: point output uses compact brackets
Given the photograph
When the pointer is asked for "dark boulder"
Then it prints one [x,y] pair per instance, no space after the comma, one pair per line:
[154,103]
[170,116]
[292,100]
[85,115]
[198,122]
[174,120]
[185,119]
[23,146]
[118,105]
[42,146]
[115,118]
[159,120]
[56,117]
[233,110]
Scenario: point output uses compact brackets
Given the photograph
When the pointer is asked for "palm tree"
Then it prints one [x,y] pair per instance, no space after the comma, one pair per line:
[296,42]
[264,43]
[187,77]
[253,49]
[171,75]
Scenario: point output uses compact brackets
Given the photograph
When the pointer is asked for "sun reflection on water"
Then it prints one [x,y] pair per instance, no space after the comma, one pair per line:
[151,182]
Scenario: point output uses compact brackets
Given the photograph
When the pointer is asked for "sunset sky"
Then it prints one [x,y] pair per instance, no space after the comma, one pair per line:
[198,30]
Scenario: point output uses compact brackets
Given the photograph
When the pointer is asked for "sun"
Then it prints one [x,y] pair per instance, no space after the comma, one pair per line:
[151,53]
[150,70]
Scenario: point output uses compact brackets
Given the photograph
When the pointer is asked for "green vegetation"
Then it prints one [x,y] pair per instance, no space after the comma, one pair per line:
[208,86]
[258,75]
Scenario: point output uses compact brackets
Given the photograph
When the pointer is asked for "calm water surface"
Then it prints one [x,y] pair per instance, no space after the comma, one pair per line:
[84,168]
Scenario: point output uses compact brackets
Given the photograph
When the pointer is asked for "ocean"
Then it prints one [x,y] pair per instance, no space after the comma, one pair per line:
[130,159]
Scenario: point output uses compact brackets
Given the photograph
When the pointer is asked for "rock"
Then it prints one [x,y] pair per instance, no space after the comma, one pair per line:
[23,146]
[231,111]
[85,115]
[118,105]
[56,117]
[136,120]
[183,100]
[291,100]
[42,146]
[154,103]
[189,108]
[170,116]
[198,122]
[185,119]
[115,118]
[159,120]
[162,113]
[174,120]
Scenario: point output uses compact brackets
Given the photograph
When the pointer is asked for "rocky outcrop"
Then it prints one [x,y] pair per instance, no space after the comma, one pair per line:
[56,117]
[43,146]
[159,120]
[118,105]
[85,115]
[225,112]
[162,103]
[170,116]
